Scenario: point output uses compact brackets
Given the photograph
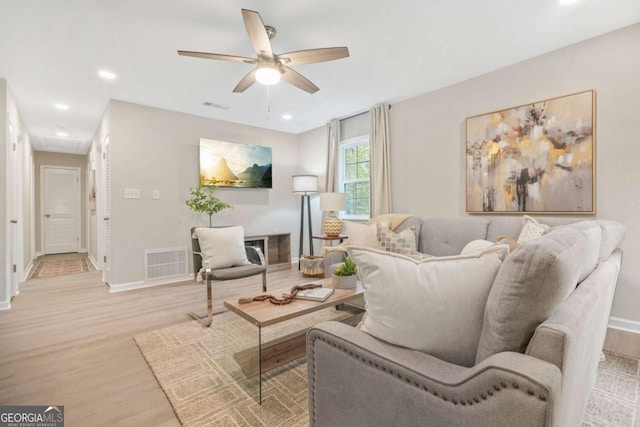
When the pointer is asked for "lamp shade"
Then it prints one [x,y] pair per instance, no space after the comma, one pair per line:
[305,184]
[333,202]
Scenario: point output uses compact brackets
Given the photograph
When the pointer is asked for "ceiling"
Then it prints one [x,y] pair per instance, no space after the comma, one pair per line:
[51,51]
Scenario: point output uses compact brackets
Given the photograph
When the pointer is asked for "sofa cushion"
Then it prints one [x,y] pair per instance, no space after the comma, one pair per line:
[612,236]
[447,236]
[434,305]
[531,284]
[223,246]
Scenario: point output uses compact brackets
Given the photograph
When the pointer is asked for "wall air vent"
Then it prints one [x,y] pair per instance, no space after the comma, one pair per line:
[214,105]
[163,263]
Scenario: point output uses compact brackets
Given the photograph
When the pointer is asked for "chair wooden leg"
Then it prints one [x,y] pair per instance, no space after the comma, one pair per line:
[209,308]
[264,281]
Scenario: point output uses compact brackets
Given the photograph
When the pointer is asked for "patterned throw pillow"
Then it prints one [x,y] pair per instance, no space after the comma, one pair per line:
[531,229]
[403,242]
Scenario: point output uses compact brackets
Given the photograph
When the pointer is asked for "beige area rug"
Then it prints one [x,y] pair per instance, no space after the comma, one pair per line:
[186,359]
[194,370]
[62,268]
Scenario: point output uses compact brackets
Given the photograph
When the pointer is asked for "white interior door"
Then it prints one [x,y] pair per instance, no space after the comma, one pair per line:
[14,200]
[106,211]
[60,209]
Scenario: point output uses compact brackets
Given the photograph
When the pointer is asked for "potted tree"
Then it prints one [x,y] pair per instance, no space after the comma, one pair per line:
[203,200]
[344,277]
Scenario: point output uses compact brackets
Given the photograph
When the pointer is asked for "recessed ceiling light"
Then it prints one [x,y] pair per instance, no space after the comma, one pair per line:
[567,2]
[287,117]
[107,75]
[62,134]
[61,106]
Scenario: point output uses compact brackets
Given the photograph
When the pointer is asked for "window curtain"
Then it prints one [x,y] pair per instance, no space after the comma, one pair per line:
[379,156]
[333,160]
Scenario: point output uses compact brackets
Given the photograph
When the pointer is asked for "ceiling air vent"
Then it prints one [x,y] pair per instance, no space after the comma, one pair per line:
[214,105]
[62,144]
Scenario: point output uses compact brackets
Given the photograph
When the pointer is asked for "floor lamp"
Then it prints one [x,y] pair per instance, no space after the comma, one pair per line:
[305,185]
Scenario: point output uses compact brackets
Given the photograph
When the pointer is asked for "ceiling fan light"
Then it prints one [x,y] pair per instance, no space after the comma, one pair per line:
[267,75]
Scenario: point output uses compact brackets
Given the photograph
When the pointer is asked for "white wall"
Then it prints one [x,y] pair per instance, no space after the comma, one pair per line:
[427,137]
[159,149]
[4,138]
[313,161]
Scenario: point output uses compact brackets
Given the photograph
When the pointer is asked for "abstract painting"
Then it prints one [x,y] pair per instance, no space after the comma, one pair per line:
[535,158]
[229,164]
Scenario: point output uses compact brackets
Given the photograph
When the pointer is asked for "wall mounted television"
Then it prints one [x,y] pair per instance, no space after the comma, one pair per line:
[230,164]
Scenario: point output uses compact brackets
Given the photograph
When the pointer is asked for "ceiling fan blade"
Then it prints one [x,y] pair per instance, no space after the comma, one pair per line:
[217,56]
[257,33]
[311,56]
[246,81]
[298,80]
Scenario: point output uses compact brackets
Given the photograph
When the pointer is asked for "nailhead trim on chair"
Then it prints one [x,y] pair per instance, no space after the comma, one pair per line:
[470,401]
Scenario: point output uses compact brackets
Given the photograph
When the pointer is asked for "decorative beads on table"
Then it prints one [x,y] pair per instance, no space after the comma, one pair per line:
[279,301]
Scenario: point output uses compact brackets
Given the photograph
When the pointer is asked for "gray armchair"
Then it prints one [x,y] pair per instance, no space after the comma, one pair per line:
[257,266]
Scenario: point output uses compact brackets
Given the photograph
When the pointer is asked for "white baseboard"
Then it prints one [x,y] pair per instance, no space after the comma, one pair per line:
[38,254]
[93,261]
[27,271]
[624,325]
[5,305]
[83,251]
[122,287]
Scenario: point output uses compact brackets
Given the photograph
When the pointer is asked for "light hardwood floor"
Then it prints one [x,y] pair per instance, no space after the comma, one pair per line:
[68,341]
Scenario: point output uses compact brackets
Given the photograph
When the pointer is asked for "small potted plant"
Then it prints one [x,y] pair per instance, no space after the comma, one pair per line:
[344,277]
[203,200]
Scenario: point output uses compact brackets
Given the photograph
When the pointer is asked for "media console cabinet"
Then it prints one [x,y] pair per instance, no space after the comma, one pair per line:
[276,249]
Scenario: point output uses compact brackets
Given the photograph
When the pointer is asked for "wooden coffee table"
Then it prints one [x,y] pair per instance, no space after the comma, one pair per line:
[271,350]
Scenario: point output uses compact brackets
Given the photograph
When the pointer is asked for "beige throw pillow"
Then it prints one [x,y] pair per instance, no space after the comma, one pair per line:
[434,305]
[531,229]
[403,242]
[360,234]
[532,282]
[223,247]
[476,246]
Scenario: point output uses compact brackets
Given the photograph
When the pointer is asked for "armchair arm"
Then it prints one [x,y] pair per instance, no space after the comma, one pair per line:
[358,380]
[255,255]
[330,259]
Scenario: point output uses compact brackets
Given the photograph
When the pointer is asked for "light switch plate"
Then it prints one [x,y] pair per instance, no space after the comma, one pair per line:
[156,194]
[131,193]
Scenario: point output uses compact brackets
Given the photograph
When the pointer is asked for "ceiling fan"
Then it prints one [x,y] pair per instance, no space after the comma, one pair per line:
[269,66]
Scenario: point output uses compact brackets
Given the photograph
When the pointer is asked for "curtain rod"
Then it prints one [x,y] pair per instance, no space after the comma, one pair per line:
[356,114]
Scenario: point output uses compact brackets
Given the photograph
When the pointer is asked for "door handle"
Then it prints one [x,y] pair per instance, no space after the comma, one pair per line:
[106,218]
[47,215]
[14,221]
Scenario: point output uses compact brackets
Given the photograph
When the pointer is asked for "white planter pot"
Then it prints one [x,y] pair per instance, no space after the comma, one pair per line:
[344,282]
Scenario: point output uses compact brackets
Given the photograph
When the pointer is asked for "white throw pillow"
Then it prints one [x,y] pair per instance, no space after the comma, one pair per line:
[435,305]
[476,246]
[362,234]
[531,229]
[223,247]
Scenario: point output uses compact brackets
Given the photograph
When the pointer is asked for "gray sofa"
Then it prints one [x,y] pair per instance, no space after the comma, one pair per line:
[539,373]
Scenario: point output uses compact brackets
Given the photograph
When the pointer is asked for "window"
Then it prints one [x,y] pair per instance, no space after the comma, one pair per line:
[354,176]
